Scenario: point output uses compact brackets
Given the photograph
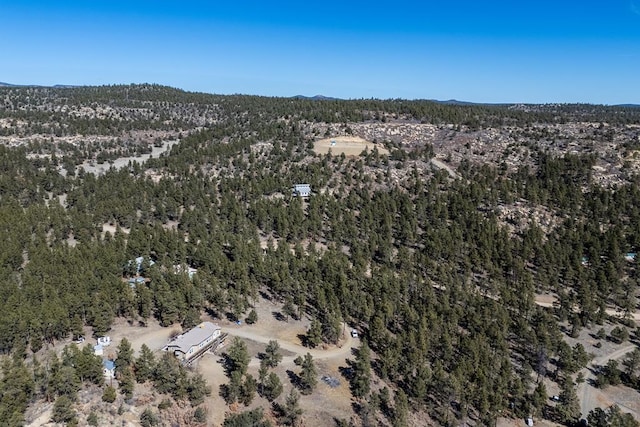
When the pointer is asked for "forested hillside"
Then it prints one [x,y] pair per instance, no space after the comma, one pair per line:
[439,274]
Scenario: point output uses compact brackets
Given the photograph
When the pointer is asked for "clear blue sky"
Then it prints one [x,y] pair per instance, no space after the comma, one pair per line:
[482,51]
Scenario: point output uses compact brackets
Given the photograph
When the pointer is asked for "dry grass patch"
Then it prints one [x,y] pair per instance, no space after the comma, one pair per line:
[349,145]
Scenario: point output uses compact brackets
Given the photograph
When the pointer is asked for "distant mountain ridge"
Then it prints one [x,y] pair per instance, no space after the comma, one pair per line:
[317,98]
[331,98]
[3,84]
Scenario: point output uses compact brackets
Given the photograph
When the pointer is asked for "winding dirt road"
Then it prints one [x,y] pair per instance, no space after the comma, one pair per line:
[549,301]
[440,165]
[591,397]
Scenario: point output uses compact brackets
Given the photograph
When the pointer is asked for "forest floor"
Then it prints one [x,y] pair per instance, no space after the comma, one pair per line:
[90,166]
[591,397]
[602,351]
[323,404]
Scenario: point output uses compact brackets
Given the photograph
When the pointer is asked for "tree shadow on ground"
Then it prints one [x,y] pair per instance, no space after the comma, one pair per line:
[279,316]
[265,295]
[293,378]
[305,340]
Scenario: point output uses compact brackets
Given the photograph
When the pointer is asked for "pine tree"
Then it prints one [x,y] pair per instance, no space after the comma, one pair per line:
[126,382]
[288,309]
[401,409]
[145,364]
[109,394]
[308,374]
[539,397]
[291,411]
[63,411]
[252,317]
[361,382]
[16,389]
[314,334]
[89,366]
[198,390]
[124,355]
[272,387]
[568,408]
[272,356]
[237,357]
[248,390]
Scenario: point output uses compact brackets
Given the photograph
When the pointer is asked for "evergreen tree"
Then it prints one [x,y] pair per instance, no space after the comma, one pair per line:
[290,411]
[248,390]
[308,374]
[124,355]
[253,418]
[149,419]
[611,417]
[252,317]
[109,394]
[568,408]
[631,363]
[314,334]
[63,412]
[288,309]
[361,383]
[539,397]
[272,356]
[272,388]
[237,356]
[88,366]
[145,364]
[16,389]
[126,382]
[401,409]
[198,390]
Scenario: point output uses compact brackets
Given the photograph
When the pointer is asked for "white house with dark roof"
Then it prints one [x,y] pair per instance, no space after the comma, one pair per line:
[195,342]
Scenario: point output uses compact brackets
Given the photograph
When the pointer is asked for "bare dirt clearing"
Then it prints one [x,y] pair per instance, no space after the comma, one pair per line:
[349,145]
[591,397]
[90,166]
[320,407]
[548,300]
[323,404]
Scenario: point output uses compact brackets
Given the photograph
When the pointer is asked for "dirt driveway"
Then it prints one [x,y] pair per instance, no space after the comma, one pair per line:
[343,351]
[591,397]
[323,404]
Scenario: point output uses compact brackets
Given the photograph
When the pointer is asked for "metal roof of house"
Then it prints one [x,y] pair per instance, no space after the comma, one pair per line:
[194,337]
[109,364]
[301,190]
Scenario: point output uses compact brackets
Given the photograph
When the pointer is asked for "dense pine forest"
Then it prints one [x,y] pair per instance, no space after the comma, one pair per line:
[439,273]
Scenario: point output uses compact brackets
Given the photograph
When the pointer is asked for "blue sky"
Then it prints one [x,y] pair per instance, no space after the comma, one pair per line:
[481,51]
